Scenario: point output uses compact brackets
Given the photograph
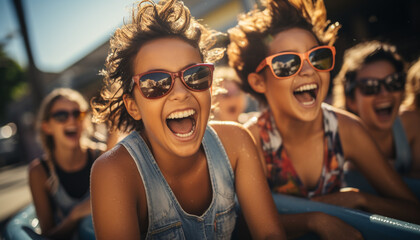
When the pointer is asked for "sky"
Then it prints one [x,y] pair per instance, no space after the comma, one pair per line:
[61,32]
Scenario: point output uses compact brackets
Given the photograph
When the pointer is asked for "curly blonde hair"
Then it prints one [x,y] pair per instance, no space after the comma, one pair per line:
[412,87]
[149,21]
[249,39]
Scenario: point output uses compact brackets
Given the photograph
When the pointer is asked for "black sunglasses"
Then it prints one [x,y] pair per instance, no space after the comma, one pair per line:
[158,83]
[62,116]
[370,86]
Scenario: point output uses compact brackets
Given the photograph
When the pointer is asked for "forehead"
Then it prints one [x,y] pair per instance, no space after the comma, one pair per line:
[377,69]
[171,54]
[64,104]
[294,39]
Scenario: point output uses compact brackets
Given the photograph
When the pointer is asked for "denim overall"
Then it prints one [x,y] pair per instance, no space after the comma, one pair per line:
[167,219]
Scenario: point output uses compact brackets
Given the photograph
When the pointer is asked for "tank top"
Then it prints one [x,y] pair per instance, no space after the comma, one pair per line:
[282,176]
[64,198]
[402,148]
[167,219]
[402,164]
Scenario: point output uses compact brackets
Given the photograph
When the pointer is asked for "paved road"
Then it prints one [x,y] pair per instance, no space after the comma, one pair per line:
[14,190]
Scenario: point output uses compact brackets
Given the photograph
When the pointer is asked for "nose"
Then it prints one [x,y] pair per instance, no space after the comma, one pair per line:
[179,90]
[383,90]
[306,69]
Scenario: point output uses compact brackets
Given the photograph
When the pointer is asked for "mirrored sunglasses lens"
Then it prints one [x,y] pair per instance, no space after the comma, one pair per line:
[154,85]
[285,65]
[198,78]
[369,86]
[61,116]
[395,82]
[322,58]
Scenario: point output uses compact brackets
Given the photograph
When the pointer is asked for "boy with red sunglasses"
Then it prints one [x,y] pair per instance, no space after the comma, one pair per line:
[282,55]
[174,176]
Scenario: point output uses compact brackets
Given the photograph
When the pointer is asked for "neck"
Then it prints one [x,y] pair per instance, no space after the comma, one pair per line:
[293,130]
[172,165]
[384,139]
[69,158]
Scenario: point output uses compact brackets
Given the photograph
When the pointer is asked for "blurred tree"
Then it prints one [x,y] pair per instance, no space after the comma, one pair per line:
[12,82]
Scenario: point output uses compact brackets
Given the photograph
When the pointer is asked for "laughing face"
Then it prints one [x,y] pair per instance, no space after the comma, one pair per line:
[298,97]
[377,111]
[65,130]
[175,123]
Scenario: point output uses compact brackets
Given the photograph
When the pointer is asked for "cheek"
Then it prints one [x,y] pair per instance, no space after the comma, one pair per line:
[325,79]
[398,96]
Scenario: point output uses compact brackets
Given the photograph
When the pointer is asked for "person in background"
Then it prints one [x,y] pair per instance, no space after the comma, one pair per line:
[175,176]
[59,180]
[230,100]
[371,84]
[410,117]
[284,55]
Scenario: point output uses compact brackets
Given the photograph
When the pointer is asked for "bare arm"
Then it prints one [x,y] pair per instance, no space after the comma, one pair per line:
[114,196]
[251,185]
[43,206]
[398,202]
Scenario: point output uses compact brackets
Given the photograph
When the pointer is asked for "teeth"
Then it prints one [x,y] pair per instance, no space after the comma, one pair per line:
[181,114]
[306,87]
[383,105]
[183,135]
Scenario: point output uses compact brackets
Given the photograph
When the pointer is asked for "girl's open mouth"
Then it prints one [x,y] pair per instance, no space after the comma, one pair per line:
[182,123]
[306,94]
[70,133]
[384,110]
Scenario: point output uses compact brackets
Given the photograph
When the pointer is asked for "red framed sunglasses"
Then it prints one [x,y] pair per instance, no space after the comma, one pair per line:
[158,83]
[288,64]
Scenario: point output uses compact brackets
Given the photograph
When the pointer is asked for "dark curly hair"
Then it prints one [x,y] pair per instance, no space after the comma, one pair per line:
[249,39]
[149,21]
[357,57]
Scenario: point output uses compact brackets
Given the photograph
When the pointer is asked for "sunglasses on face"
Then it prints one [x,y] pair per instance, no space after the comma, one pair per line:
[62,116]
[158,83]
[371,86]
[288,64]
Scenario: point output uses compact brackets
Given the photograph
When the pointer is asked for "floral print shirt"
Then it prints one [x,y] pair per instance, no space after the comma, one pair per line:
[282,176]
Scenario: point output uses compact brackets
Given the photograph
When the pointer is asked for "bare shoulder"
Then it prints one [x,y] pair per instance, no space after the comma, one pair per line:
[36,169]
[236,139]
[348,122]
[114,162]
[230,131]
[410,117]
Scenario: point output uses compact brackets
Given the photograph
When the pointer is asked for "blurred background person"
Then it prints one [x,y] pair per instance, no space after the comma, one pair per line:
[373,80]
[371,85]
[59,179]
[230,103]
[410,117]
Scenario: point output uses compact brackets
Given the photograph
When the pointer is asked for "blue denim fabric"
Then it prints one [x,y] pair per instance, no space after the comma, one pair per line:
[167,219]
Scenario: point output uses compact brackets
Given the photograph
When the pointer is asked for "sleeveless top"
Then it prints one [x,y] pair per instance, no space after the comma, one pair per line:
[167,219]
[63,201]
[402,164]
[402,148]
[282,176]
